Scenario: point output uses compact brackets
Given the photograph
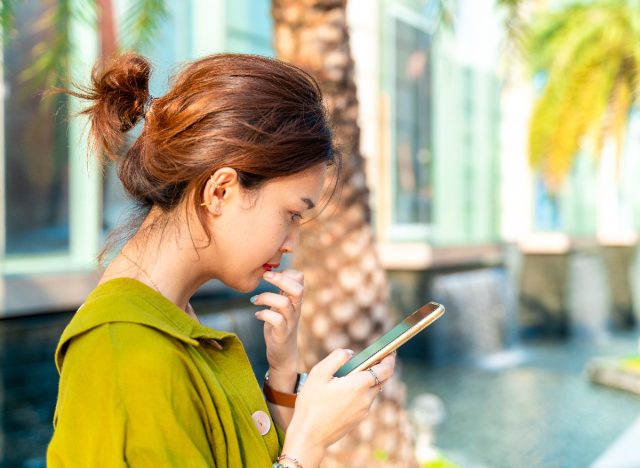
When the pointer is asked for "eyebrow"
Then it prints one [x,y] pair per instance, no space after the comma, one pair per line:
[309,203]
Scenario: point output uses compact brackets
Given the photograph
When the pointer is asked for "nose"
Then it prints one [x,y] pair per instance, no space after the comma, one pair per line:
[291,241]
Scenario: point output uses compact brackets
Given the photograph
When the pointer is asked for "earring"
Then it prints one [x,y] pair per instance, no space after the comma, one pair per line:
[218,206]
[215,187]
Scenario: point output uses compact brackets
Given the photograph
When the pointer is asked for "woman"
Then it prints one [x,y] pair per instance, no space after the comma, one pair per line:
[226,166]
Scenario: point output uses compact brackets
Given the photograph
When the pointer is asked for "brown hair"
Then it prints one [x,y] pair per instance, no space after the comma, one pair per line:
[261,116]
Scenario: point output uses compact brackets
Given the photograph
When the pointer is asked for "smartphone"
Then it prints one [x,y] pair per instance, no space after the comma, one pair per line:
[393,339]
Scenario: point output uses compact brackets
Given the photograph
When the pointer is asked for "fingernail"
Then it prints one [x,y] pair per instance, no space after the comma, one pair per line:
[253,299]
[269,274]
[350,351]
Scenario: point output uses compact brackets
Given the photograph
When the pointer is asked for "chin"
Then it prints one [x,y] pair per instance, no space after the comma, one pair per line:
[245,286]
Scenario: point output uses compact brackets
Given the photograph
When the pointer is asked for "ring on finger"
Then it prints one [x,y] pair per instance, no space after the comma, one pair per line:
[296,304]
[375,376]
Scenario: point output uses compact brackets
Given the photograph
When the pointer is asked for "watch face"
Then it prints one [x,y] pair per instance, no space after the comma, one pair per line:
[302,378]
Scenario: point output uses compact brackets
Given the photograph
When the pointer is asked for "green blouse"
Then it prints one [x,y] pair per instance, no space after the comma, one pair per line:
[144,385]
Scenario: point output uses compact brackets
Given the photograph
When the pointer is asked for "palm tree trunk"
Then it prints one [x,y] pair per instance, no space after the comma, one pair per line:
[106,26]
[346,294]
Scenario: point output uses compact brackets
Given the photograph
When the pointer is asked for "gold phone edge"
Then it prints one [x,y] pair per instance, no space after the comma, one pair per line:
[435,315]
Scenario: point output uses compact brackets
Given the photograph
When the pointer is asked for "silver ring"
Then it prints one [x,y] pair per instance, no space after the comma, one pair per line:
[375,377]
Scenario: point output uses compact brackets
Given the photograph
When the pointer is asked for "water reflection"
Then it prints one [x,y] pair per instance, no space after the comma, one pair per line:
[542,412]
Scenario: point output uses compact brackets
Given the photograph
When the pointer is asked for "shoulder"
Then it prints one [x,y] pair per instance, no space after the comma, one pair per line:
[119,320]
[130,349]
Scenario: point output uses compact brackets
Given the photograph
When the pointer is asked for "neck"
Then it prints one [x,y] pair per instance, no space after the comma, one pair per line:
[162,259]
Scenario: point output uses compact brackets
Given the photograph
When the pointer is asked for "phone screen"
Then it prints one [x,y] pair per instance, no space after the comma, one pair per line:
[409,327]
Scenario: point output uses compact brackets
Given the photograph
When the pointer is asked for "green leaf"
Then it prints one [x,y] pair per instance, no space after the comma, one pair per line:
[141,23]
[51,54]
[7,17]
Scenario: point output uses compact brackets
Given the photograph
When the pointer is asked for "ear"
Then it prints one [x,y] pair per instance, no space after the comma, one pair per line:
[220,188]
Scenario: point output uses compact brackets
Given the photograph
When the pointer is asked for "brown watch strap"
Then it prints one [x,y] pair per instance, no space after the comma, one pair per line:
[278,398]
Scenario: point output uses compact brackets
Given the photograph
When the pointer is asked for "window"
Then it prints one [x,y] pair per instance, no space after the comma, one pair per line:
[443,122]
[249,27]
[468,163]
[411,125]
[55,204]
[36,157]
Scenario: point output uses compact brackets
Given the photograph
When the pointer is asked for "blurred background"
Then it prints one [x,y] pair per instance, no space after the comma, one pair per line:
[500,143]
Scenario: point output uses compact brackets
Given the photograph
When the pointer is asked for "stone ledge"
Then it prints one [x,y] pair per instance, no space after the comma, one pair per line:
[413,256]
[34,294]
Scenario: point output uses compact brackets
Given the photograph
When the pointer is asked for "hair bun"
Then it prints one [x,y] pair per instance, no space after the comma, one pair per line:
[124,85]
[119,90]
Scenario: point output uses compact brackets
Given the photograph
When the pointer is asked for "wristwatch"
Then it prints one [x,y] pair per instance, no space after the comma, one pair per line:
[281,398]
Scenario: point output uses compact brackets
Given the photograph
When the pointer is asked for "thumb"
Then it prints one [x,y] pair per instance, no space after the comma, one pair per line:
[334,361]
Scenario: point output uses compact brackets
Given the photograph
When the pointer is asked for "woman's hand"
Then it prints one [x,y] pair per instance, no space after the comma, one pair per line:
[328,407]
[281,322]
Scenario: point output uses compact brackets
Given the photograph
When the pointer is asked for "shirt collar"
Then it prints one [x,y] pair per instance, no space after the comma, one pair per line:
[129,300]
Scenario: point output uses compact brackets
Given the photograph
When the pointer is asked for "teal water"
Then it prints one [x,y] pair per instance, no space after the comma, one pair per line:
[538,410]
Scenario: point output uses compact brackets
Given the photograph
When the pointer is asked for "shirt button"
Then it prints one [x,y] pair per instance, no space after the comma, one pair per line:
[262,421]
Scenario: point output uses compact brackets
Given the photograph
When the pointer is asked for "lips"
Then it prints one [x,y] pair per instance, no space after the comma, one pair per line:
[270,266]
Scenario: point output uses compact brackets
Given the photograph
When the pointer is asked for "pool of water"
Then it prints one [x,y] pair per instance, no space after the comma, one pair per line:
[531,407]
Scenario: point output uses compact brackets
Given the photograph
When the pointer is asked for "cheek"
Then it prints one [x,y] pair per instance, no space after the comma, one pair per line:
[267,231]
[254,236]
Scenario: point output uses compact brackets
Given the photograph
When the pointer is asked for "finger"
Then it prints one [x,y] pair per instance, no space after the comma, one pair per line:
[280,303]
[334,361]
[298,277]
[275,319]
[367,398]
[389,360]
[288,285]
[383,370]
[273,300]
[373,393]
[295,275]
[364,379]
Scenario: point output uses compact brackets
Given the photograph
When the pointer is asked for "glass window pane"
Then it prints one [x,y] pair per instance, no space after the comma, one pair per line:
[250,27]
[547,212]
[412,125]
[36,147]
[469,165]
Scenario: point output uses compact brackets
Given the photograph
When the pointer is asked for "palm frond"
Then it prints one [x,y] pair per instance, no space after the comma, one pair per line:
[590,56]
[515,28]
[51,54]
[554,38]
[7,16]
[619,110]
[446,16]
[86,12]
[142,22]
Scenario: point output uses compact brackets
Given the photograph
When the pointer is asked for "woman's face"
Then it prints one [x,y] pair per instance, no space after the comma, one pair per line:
[253,230]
